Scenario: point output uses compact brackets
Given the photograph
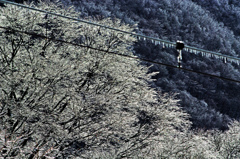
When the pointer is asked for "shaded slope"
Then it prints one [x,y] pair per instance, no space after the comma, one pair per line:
[197,26]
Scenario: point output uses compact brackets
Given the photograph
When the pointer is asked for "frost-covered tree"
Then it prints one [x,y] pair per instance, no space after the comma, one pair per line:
[227,143]
[59,99]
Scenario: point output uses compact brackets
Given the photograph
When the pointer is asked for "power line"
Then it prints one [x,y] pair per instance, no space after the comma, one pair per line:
[119,54]
[157,41]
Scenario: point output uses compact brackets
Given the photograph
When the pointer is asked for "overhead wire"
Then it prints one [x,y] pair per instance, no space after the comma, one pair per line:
[119,54]
[162,42]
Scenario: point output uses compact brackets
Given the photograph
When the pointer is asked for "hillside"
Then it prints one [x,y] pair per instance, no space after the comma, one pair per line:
[211,25]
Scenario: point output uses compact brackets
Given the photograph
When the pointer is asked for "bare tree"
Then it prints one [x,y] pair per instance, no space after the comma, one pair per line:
[69,98]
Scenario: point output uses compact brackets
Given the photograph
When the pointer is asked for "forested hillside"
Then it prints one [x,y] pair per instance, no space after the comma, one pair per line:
[212,25]
[64,94]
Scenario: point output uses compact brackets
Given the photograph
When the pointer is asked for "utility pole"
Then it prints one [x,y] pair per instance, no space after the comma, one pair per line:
[179,47]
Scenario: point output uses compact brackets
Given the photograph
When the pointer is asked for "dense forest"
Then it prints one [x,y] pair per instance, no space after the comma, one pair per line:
[212,25]
[63,95]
